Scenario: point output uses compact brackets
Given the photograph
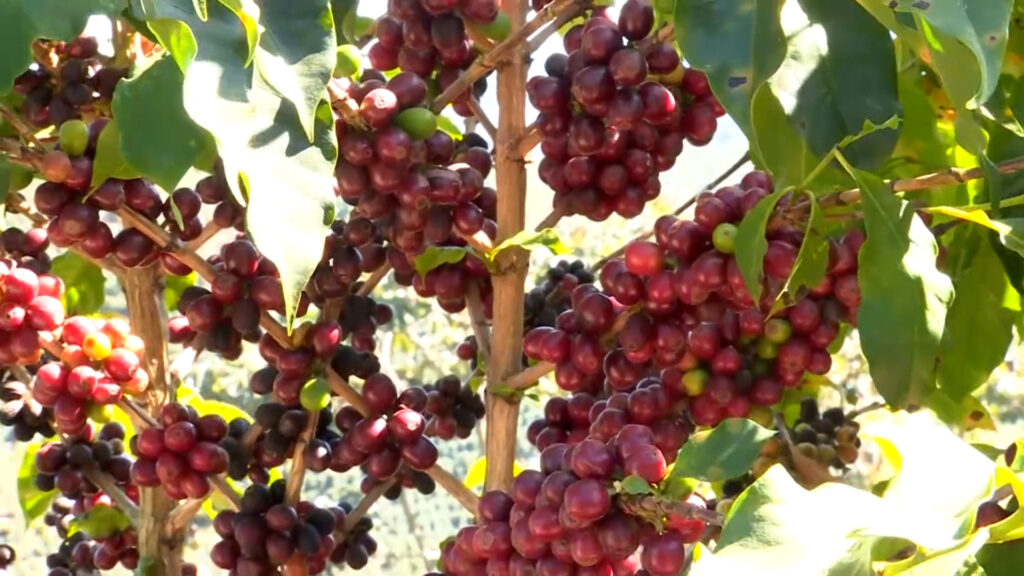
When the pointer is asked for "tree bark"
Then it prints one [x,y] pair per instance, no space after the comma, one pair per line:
[507,331]
[144,290]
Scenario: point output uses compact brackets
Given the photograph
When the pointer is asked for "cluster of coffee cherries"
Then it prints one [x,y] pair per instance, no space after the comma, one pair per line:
[584,415]
[453,408]
[67,466]
[228,312]
[79,554]
[21,412]
[352,248]
[615,112]
[99,363]
[26,249]
[355,549]
[80,83]
[830,437]
[267,533]
[568,519]
[429,39]
[281,427]
[29,303]
[74,208]
[678,309]
[390,436]
[241,463]
[360,318]
[182,453]
[418,187]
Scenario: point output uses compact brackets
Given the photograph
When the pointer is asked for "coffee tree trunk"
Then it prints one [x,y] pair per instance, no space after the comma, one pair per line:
[507,327]
[143,288]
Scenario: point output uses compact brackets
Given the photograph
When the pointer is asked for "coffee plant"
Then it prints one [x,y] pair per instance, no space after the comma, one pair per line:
[249,173]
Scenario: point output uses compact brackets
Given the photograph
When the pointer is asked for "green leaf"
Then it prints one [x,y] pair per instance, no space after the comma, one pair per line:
[33,501]
[265,150]
[738,43]
[779,148]
[839,75]
[635,486]
[812,260]
[296,54]
[476,381]
[445,124]
[1002,559]
[979,326]
[751,243]
[175,285]
[776,528]
[947,561]
[83,282]
[527,239]
[158,138]
[904,298]
[437,256]
[201,9]
[102,521]
[1010,230]
[109,162]
[727,451]
[964,42]
[940,479]
[967,413]
[16,34]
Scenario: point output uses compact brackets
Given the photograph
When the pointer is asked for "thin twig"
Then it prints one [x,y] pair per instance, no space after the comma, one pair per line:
[293,490]
[479,321]
[455,487]
[654,509]
[251,437]
[361,509]
[480,41]
[550,220]
[23,129]
[947,177]
[209,231]
[104,482]
[484,64]
[374,280]
[869,408]
[481,116]
[529,140]
[182,515]
[20,374]
[221,485]
[182,365]
[551,29]
[139,413]
[480,242]
[343,389]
